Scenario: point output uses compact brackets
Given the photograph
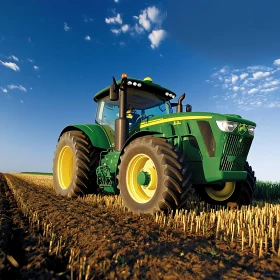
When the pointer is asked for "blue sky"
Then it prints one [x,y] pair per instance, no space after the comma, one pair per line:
[55,55]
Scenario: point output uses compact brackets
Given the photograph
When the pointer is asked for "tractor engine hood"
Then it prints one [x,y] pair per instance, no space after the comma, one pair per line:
[185,116]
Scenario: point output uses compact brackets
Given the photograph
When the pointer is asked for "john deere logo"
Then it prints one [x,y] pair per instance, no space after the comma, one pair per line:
[242,128]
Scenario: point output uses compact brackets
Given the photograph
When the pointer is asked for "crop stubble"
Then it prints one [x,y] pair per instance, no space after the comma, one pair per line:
[95,238]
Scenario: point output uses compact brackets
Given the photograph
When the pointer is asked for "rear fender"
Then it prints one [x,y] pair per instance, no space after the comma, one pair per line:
[95,132]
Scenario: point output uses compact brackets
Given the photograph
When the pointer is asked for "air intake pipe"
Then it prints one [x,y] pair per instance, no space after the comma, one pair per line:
[188,108]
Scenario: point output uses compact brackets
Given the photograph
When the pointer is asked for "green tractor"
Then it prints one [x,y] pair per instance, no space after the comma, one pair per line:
[151,156]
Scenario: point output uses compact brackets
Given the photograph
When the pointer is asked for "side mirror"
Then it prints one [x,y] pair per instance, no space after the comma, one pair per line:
[114,93]
[188,108]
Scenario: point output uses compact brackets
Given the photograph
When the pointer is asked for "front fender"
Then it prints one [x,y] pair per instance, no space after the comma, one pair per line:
[95,132]
[137,135]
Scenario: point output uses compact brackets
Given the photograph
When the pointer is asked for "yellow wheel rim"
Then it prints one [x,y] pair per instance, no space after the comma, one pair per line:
[65,167]
[140,193]
[222,194]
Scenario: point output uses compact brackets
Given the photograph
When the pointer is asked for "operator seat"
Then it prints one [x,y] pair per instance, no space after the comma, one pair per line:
[133,118]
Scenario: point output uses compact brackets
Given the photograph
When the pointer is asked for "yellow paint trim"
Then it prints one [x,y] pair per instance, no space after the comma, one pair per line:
[162,120]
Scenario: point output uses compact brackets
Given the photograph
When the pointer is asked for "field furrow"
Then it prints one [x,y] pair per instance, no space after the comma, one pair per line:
[24,250]
[95,239]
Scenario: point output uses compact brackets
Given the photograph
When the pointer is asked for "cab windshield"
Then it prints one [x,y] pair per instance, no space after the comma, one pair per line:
[141,106]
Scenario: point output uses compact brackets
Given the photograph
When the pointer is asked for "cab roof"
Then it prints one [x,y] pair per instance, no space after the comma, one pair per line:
[146,85]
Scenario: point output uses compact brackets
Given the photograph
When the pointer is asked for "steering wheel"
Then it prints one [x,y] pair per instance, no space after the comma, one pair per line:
[147,117]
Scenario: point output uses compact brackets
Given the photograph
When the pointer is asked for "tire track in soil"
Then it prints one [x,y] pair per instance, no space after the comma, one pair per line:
[23,250]
[122,245]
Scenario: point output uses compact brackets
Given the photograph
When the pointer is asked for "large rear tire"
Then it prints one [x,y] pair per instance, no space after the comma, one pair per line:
[74,165]
[240,192]
[150,176]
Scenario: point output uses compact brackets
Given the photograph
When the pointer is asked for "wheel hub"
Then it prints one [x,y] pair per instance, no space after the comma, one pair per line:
[143,178]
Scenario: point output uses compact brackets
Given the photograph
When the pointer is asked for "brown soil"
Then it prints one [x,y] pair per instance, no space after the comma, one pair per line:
[44,236]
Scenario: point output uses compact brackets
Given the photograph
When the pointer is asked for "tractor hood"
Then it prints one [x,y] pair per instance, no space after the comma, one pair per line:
[177,117]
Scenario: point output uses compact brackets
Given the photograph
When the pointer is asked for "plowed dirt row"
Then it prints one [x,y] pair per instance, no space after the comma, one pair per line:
[107,243]
[23,250]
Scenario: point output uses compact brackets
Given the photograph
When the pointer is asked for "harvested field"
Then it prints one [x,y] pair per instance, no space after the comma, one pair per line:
[49,237]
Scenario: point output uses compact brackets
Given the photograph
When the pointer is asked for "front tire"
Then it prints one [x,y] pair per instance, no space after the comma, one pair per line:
[240,192]
[74,165]
[150,176]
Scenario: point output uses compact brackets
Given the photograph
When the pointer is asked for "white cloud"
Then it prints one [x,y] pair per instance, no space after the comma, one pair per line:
[4,90]
[271,83]
[114,20]
[21,101]
[66,27]
[29,39]
[17,87]
[273,104]
[122,44]
[116,31]
[116,1]
[277,62]
[156,37]
[149,20]
[30,60]
[36,67]
[259,75]
[125,28]
[243,76]
[31,88]
[148,16]
[154,14]
[234,79]
[253,90]
[139,29]
[87,38]
[259,67]
[249,87]
[269,89]
[13,57]
[10,65]
[144,21]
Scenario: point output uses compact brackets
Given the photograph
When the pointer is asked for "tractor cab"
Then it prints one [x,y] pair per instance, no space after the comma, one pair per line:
[144,101]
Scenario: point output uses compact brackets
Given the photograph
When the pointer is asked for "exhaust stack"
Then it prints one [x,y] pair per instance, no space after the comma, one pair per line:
[121,123]
[180,106]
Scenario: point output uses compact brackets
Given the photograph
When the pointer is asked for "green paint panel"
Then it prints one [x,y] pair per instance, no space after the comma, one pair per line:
[96,133]
[213,155]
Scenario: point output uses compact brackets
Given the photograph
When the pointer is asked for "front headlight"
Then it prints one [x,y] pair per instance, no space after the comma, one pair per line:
[251,129]
[227,126]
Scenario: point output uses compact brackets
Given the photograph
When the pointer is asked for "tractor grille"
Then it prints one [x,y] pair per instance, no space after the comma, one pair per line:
[235,146]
